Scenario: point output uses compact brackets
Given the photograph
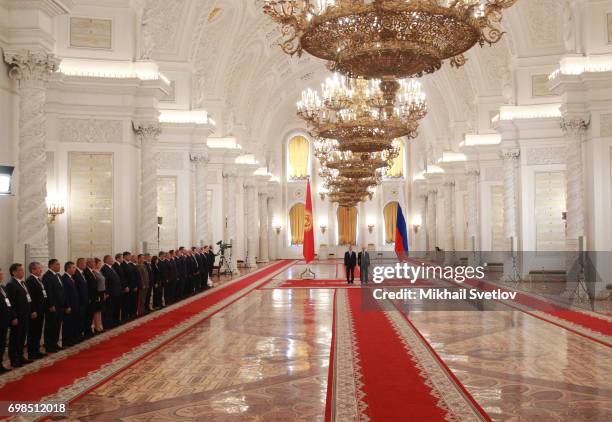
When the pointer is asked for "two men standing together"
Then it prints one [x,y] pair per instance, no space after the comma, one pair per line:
[351,260]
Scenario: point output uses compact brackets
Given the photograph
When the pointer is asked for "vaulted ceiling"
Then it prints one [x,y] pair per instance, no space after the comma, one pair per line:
[250,86]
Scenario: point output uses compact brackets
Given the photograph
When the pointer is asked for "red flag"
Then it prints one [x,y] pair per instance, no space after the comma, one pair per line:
[308,228]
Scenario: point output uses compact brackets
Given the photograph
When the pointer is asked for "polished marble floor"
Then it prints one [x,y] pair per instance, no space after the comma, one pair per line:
[266,357]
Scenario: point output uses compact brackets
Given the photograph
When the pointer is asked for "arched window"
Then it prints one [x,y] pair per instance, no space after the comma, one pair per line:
[347,225]
[298,150]
[397,168]
[390,214]
[296,221]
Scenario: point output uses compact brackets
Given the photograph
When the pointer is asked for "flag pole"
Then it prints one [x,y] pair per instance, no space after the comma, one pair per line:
[308,243]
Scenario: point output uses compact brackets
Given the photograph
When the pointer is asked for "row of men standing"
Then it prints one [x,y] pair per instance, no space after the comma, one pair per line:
[119,290]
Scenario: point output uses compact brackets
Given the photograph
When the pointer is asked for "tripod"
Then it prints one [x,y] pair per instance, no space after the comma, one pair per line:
[224,264]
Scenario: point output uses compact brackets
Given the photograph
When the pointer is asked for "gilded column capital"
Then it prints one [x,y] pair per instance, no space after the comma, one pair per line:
[31,68]
[147,130]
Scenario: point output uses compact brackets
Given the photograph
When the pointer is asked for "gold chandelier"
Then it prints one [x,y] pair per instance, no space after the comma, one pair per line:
[387,39]
[363,116]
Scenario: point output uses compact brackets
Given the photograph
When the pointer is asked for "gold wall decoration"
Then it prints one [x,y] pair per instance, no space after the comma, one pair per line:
[91,33]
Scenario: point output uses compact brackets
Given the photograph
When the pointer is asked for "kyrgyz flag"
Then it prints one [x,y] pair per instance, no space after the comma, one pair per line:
[308,228]
[401,235]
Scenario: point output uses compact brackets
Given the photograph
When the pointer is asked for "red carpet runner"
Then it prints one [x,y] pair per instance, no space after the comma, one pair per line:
[584,323]
[384,371]
[32,387]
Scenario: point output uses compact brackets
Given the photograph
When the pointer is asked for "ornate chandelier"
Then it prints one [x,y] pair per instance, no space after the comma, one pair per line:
[387,39]
[362,115]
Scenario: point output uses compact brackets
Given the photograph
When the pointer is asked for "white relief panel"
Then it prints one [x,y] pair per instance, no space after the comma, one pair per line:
[170,160]
[545,155]
[90,130]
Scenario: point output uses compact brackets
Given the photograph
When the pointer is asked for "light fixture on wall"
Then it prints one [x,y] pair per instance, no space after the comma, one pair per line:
[53,209]
[371,227]
[416,228]
[322,195]
[416,224]
[323,228]
[277,229]
[6,177]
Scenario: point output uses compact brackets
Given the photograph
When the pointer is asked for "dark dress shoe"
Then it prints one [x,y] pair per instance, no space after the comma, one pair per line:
[16,364]
[41,355]
[4,370]
[26,361]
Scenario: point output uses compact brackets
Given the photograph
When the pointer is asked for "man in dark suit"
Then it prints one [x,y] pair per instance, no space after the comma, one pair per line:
[350,262]
[20,298]
[92,297]
[56,301]
[164,269]
[114,291]
[7,319]
[211,261]
[71,312]
[173,282]
[134,282]
[203,266]
[39,307]
[120,268]
[149,293]
[81,327]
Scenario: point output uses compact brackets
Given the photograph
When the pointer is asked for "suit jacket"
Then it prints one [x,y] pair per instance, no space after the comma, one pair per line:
[72,295]
[38,295]
[143,276]
[82,289]
[350,259]
[123,278]
[211,259]
[19,299]
[363,259]
[202,263]
[92,285]
[7,313]
[113,282]
[55,289]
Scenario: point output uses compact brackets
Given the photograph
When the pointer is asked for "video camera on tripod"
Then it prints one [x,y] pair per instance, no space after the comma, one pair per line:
[224,261]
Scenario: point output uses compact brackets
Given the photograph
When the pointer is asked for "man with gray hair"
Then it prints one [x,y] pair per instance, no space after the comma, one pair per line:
[39,307]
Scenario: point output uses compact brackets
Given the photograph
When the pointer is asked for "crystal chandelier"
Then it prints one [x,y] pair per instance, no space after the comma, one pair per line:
[361,115]
[387,39]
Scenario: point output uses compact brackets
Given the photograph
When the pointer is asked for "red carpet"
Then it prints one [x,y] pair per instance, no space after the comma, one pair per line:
[48,380]
[331,284]
[393,385]
[581,319]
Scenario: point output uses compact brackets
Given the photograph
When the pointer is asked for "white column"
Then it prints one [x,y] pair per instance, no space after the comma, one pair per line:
[432,195]
[422,234]
[449,217]
[32,70]
[264,229]
[574,130]
[202,212]
[473,182]
[229,192]
[511,159]
[148,133]
[252,226]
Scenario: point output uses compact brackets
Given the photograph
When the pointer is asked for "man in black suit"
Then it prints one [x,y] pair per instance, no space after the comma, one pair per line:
[56,301]
[211,261]
[81,327]
[114,291]
[350,262]
[92,296]
[149,293]
[173,282]
[20,298]
[203,266]
[71,313]
[39,307]
[7,319]
[164,269]
[120,268]
[134,281]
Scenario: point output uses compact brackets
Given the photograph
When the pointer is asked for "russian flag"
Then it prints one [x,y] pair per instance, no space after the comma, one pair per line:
[401,235]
